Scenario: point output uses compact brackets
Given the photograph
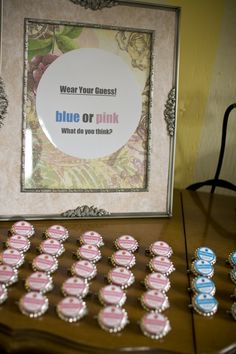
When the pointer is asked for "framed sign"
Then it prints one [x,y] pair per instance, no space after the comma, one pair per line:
[91,118]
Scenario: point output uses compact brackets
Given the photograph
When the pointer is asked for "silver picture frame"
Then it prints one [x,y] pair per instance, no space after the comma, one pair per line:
[154,196]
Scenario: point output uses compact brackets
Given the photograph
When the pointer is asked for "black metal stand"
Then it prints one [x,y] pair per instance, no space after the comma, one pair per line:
[216,182]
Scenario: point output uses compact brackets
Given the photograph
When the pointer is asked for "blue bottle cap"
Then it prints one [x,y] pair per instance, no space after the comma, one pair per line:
[203,285]
[3,293]
[202,268]
[233,310]
[205,304]
[206,254]
[232,259]
[233,275]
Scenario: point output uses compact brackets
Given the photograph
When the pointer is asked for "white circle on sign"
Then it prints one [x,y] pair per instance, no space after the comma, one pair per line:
[89,103]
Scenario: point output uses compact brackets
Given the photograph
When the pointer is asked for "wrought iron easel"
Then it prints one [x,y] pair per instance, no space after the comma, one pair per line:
[216,181]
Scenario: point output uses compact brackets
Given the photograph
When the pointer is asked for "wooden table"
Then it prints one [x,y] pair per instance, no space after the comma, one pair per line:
[198,219]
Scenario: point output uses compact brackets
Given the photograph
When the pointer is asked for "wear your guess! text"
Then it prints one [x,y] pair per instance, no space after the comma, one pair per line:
[81,90]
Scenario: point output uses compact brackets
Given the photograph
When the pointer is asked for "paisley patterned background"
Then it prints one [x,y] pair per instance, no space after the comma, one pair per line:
[52,169]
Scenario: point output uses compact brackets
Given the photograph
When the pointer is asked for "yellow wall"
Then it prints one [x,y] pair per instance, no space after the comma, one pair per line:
[207,85]
[199,33]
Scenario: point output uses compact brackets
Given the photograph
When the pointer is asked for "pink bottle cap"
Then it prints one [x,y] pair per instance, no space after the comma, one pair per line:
[39,281]
[33,304]
[90,253]
[157,281]
[22,228]
[120,276]
[71,309]
[112,319]
[154,300]
[112,295]
[18,242]
[162,265]
[12,257]
[75,286]
[126,242]
[160,248]
[84,269]
[123,258]
[57,232]
[52,247]
[155,325]
[8,275]
[91,238]
[45,263]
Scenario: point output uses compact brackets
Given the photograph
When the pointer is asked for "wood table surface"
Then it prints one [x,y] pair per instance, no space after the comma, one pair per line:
[210,220]
[197,220]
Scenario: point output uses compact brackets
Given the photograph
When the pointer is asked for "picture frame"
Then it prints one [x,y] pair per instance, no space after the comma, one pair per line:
[91,90]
